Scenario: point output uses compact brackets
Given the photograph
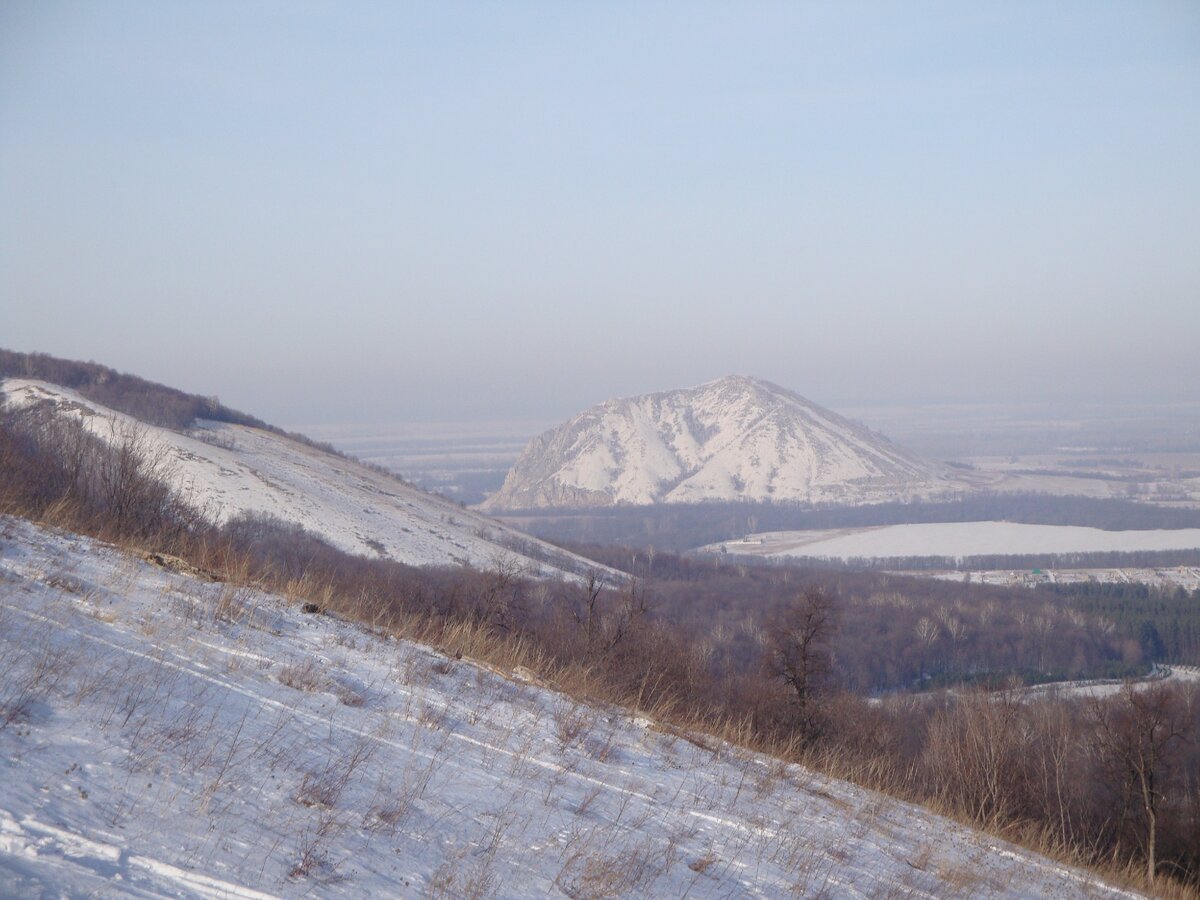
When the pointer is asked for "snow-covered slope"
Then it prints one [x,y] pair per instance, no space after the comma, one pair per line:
[738,438]
[226,470]
[163,736]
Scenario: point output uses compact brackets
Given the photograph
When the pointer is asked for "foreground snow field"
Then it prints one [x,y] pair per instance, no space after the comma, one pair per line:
[165,736]
[957,539]
[226,470]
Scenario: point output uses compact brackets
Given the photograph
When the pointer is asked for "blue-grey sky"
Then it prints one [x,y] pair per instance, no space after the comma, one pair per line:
[358,211]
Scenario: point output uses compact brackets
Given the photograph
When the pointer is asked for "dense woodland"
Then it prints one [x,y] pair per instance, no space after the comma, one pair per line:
[1165,622]
[776,658]
[678,528]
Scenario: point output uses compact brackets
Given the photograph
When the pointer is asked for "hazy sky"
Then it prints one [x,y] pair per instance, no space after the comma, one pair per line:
[353,211]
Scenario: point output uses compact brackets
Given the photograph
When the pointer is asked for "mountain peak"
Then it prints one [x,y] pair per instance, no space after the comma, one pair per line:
[736,438]
[742,382]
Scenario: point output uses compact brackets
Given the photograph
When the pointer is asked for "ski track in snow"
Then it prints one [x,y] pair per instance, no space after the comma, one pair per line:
[161,753]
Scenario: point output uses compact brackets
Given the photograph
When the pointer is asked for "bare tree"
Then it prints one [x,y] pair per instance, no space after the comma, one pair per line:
[586,612]
[603,625]
[799,648]
[131,479]
[977,753]
[927,632]
[500,596]
[1136,731]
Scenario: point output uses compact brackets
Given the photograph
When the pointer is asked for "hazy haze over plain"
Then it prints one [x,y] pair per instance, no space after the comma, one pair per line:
[444,211]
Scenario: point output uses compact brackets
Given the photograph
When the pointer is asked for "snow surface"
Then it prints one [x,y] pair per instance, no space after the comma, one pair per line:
[957,539]
[226,470]
[737,438]
[164,736]
[1110,687]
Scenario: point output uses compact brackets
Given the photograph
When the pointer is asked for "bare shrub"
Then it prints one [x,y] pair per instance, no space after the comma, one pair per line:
[323,788]
[386,815]
[572,722]
[54,468]
[308,676]
[977,751]
[30,672]
[600,748]
[459,879]
[348,695]
[234,604]
[312,851]
[597,874]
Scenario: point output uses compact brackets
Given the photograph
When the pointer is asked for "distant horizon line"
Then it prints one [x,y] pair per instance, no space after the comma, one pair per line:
[511,421]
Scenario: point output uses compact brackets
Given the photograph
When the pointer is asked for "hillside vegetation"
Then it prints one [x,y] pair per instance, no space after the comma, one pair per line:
[163,735]
[776,674]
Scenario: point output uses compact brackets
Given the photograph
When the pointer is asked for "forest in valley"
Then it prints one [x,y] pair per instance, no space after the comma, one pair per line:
[1165,622]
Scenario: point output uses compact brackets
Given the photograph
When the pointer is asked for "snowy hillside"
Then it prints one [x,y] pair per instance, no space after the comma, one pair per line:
[164,736]
[737,438]
[226,470]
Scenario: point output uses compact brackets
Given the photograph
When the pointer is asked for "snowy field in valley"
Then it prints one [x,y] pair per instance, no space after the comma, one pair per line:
[165,736]
[1187,675]
[1170,577]
[956,539]
[226,470]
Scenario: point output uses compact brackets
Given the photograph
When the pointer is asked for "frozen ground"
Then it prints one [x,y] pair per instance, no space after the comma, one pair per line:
[1111,687]
[228,469]
[163,736]
[956,539]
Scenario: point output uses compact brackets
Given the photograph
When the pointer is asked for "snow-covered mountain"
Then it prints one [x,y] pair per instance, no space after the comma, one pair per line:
[226,470]
[158,740]
[734,439]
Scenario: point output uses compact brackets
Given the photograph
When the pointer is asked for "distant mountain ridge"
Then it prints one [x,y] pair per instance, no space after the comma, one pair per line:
[737,438]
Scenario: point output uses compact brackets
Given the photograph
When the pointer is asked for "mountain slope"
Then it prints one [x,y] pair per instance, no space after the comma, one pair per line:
[163,737]
[737,438]
[227,469]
